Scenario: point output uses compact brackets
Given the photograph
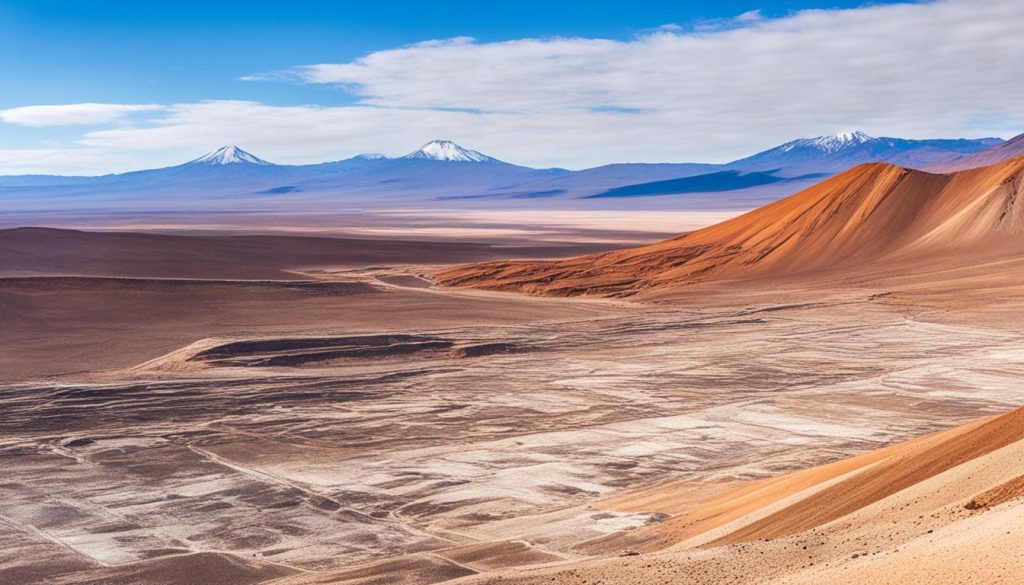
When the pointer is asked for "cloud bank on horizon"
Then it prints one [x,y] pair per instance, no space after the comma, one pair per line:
[709,93]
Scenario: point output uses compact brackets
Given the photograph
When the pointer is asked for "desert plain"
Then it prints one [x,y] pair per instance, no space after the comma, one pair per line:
[283,409]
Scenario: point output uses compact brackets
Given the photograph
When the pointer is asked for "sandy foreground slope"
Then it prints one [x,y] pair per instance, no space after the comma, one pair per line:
[946,508]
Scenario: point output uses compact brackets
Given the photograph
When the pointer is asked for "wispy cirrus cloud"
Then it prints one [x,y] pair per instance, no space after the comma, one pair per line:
[72,114]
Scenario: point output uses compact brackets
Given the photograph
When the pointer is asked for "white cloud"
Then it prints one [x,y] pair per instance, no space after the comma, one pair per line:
[946,68]
[750,16]
[911,68]
[72,114]
[311,133]
[41,161]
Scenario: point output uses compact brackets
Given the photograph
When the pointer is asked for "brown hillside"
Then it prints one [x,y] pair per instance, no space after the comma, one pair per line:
[870,213]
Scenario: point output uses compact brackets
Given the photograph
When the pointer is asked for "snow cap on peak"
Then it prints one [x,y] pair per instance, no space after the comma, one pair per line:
[830,144]
[229,155]
[852,136]
[446,150]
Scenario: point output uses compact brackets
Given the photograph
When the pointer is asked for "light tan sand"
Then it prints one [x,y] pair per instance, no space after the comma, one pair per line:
[947,508]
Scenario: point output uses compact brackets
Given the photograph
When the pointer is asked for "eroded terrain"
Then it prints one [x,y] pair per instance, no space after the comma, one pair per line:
[431,452]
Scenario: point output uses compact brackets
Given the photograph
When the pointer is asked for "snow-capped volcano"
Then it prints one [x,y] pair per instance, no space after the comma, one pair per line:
[446,150]
[229,155]
[846,149]
[830,144]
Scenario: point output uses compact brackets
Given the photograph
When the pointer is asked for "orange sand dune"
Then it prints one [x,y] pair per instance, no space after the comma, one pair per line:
[869,214]
[945,508]
[904,467]
[759,495]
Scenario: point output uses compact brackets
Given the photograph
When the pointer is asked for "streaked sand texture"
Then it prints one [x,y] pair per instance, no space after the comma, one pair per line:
[472,447]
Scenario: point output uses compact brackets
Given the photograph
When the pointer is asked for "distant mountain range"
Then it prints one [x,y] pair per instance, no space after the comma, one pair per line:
[1006,150]
[444,173]
[848,149]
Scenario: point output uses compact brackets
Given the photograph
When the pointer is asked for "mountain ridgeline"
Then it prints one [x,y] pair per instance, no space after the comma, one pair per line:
[442,172]
[848,149]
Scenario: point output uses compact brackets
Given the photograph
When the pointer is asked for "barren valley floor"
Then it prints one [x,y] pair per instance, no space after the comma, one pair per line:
[370,429]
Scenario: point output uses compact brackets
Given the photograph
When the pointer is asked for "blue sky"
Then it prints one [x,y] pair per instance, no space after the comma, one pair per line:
[172,79]
[116,51]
